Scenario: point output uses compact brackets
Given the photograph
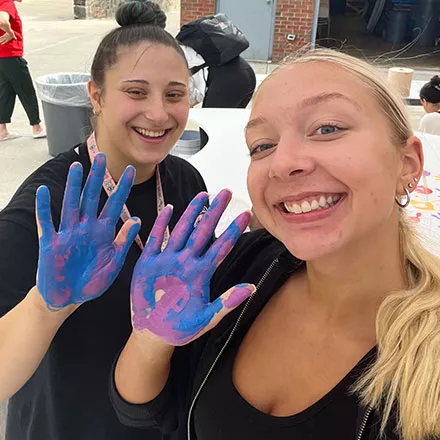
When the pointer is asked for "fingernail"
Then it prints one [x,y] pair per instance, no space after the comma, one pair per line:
[238,295]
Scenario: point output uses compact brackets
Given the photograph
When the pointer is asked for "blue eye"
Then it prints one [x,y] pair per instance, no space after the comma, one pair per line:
[327,129]
[261,148]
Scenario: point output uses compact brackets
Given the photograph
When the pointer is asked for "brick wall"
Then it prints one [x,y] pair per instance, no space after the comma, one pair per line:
[292,17]
[193,9]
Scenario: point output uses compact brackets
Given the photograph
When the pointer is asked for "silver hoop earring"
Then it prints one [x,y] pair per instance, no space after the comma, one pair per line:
[407,196]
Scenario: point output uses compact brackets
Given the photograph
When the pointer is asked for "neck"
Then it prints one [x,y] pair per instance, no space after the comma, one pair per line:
[117,162]
[349,287]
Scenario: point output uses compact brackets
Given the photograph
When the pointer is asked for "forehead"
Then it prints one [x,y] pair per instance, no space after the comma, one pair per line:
[297,83]
[149,61]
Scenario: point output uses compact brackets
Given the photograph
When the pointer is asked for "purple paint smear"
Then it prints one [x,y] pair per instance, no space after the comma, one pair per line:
[170,289]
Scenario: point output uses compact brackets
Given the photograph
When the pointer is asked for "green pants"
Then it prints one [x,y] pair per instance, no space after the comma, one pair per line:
[15,80]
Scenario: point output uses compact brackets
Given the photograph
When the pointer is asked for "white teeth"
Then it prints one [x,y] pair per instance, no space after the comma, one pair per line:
[313,205]
[150,133]
[296,209]
[305,206]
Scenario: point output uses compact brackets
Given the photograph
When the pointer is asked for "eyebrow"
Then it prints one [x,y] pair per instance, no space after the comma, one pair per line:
[323,97]
[145,82]
[309,102]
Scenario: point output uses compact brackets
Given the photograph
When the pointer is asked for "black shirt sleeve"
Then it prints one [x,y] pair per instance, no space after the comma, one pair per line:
[18,263]
[18,230]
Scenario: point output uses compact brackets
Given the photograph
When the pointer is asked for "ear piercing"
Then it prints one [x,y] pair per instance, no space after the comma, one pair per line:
[410,185]
[403,201]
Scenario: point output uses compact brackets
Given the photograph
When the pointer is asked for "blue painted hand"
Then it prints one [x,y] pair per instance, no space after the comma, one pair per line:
[80,261]
[170,288]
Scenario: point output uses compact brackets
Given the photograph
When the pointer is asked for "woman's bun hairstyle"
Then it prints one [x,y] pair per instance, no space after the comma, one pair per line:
[132,12]
[435,80]
[430,92]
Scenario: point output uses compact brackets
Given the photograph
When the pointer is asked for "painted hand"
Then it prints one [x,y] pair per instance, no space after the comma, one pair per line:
[80,261]
[170,289]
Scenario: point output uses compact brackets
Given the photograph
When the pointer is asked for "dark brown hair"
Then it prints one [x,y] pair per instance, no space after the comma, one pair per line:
[140,21]
[431,90]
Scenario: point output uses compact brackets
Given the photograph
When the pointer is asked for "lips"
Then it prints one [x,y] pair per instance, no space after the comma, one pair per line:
[311,203]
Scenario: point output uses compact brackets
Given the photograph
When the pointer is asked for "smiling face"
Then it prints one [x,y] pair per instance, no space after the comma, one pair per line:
[143,106]
[324,171]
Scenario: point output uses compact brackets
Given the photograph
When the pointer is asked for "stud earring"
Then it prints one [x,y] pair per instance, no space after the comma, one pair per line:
[416,180]
[410,185]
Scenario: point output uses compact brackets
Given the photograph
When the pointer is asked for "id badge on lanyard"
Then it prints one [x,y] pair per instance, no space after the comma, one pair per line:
[109,186]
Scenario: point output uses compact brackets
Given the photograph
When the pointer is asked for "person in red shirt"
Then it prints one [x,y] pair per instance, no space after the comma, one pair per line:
[15,78]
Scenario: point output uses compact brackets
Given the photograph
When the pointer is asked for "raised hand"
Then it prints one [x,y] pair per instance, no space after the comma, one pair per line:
[80,261]
[170,288]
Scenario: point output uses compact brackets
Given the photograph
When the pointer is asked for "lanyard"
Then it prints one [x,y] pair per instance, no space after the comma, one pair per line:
[109,186]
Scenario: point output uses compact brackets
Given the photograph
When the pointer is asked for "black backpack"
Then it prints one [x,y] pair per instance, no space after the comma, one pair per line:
[215,38]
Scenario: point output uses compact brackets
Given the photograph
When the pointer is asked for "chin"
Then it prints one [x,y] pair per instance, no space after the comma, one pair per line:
[309,247]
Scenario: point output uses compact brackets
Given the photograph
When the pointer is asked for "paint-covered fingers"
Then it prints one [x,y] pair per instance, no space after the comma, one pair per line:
[231,299]
[92,189]
[205,229]
[72,195]
[155,240]
[43,213]
[185,225]
[224,244]
[125,238]
[115,203]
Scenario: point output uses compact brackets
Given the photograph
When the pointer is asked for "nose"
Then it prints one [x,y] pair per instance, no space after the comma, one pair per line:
[156,110]
[291,159]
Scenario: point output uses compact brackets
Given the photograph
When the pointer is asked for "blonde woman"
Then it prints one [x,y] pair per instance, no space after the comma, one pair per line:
[341,339]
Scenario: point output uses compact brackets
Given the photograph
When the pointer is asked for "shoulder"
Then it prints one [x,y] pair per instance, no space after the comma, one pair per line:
[431,117]
[21,208]
[250,258]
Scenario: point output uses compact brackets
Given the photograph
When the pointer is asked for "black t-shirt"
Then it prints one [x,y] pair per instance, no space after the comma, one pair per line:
[67,397]
[222,413]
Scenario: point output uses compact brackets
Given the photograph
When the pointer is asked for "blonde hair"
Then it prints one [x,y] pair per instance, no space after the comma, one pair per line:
[405,378]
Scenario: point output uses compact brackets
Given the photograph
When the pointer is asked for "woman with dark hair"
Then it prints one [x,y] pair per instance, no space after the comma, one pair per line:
[48,337]
[430,98]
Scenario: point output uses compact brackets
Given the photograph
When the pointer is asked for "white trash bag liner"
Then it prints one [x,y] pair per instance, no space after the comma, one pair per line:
[66,89]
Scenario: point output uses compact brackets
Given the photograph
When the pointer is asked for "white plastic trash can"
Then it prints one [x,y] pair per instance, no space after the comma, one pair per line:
[67,109]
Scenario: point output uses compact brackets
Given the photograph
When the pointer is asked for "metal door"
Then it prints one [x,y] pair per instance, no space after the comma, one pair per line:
[256,18]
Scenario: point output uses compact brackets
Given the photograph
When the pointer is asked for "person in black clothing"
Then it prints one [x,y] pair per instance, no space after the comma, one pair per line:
[230,85]
[341,338]
[139,92]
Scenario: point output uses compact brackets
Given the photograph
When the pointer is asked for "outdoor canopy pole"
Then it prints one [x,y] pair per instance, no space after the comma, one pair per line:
[315,23]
